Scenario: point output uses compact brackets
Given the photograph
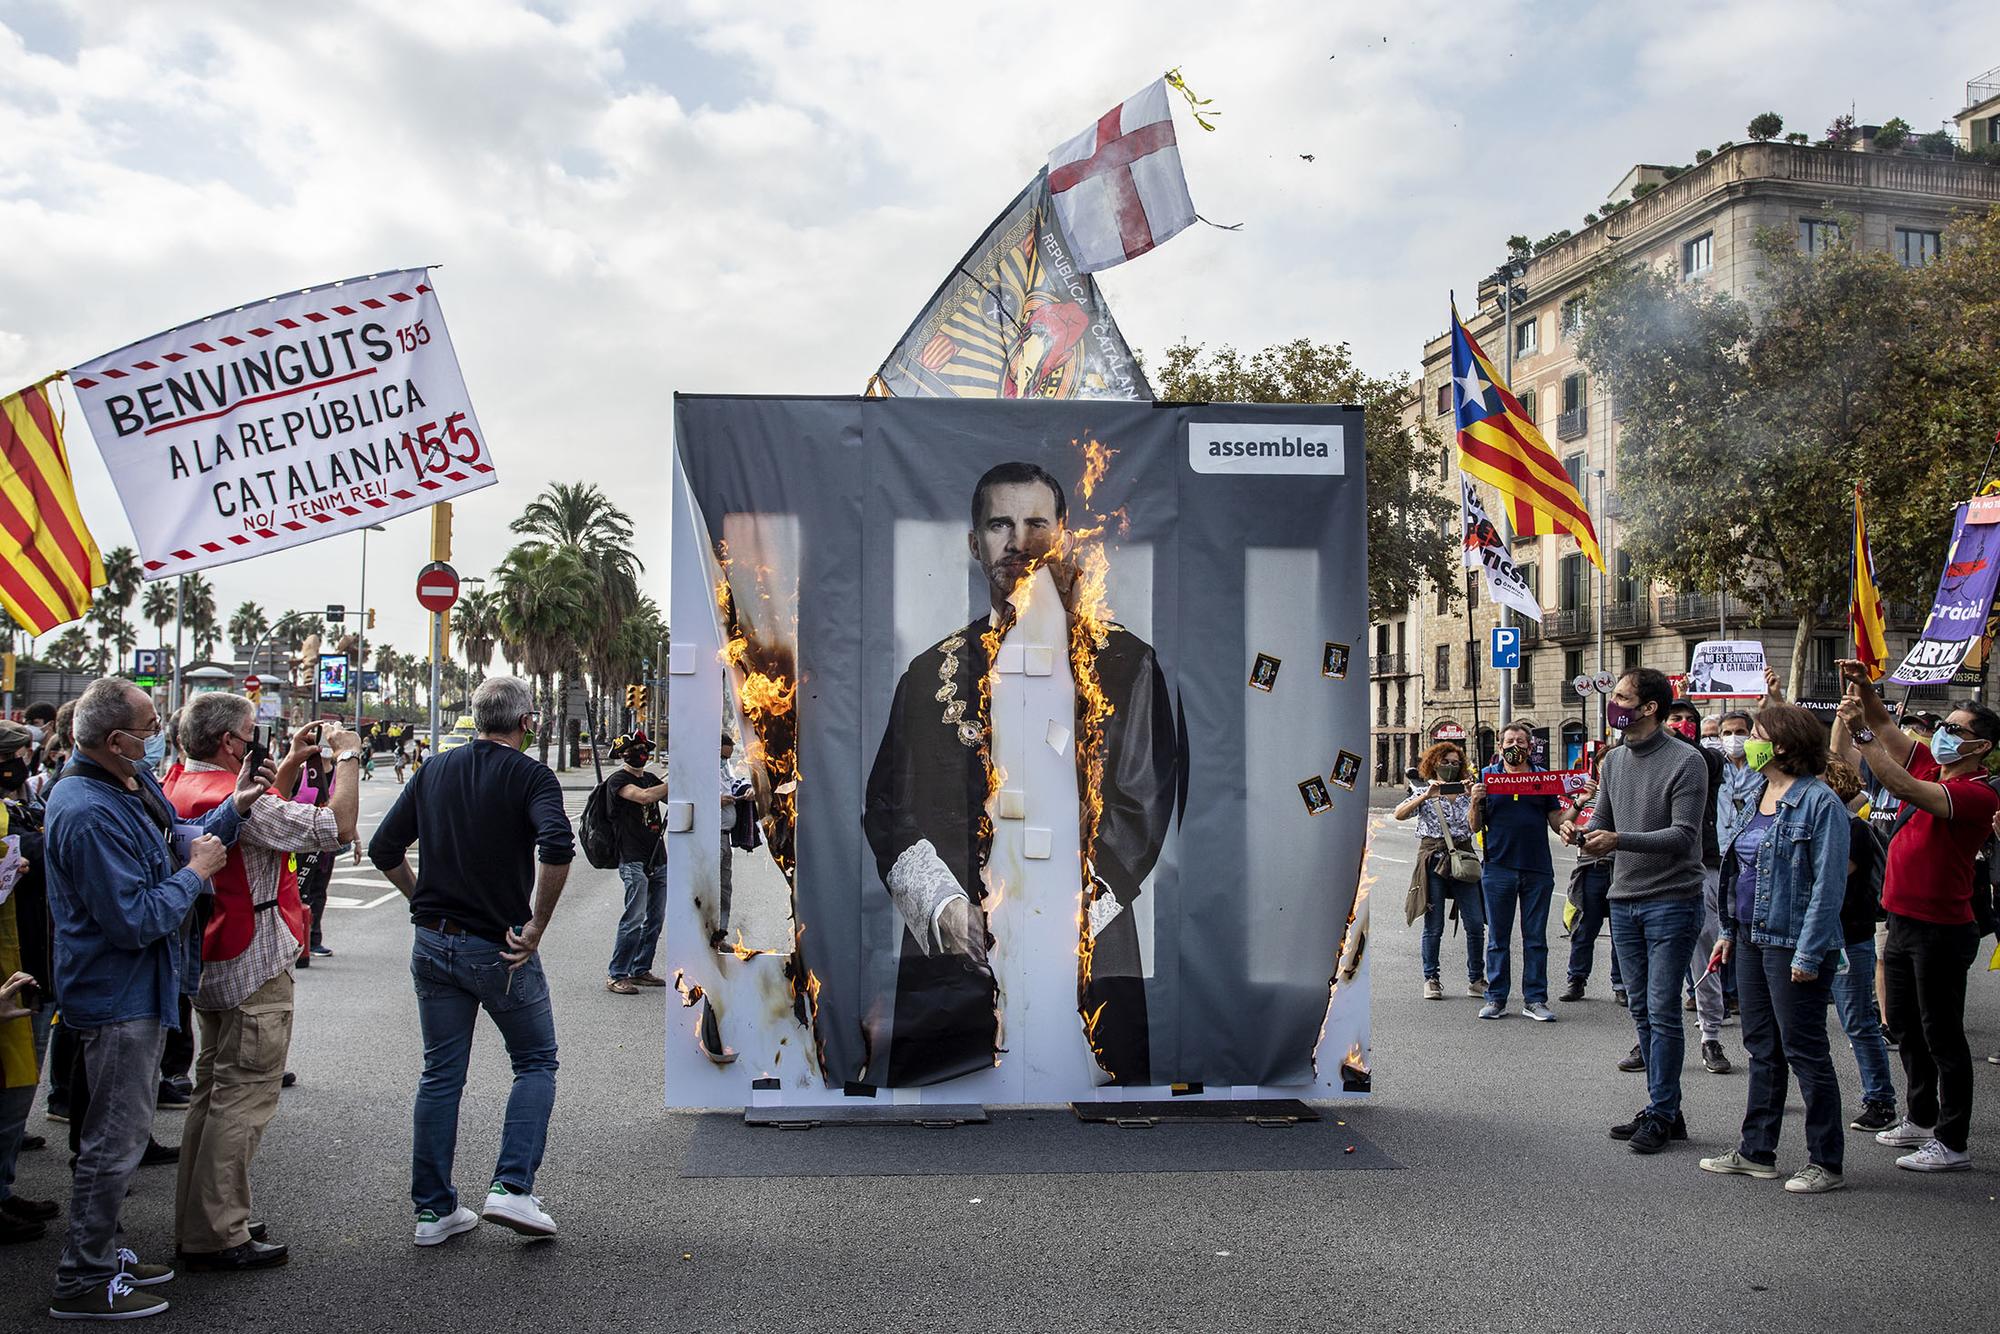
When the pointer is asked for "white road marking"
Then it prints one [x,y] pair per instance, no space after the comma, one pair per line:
[340,901]
[355,880]
[376,903]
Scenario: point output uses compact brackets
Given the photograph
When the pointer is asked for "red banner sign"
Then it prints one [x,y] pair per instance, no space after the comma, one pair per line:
[1559,783]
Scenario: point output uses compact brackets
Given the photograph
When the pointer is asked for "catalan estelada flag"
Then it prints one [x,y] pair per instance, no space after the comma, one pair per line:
[1864,609]
[48,559]
[1499,445]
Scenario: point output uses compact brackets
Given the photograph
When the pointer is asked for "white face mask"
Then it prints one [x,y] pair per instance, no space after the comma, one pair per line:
[1711,743]
[1732,746]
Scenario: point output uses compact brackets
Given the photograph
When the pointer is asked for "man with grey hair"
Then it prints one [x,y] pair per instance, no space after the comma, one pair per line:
[255,931]
[123,875]
[493,830]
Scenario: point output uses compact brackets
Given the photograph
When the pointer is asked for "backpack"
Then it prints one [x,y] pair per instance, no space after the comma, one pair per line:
[595,831]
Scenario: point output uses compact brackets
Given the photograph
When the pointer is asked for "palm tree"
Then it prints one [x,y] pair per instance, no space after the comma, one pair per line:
[545,594]
[158,607]
[477,620]
[247,625]
[577,517]
[116,637]
[198,611]
[123,578]
[71,651]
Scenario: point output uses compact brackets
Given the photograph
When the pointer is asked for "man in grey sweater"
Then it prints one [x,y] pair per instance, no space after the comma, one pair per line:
[1649,818]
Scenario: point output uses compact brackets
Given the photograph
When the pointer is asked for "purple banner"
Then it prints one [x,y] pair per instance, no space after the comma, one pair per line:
[1958,612]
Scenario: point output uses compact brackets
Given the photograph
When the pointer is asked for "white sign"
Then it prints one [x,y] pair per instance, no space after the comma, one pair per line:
[1726,669]
[1583,683]
[1485,551]
[1245,447]
[297,418]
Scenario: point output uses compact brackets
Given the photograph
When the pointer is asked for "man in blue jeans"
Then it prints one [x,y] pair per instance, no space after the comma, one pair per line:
[1648,817]
[635,796]
[491,823]
[1518,875]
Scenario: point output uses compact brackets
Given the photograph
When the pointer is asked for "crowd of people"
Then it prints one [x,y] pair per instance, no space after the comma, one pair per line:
[1753,867]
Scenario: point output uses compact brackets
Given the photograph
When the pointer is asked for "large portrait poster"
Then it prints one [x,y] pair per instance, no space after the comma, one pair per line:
[285,421]
[1040,789]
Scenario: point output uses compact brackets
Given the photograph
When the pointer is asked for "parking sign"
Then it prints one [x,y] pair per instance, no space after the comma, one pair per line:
[1506,646]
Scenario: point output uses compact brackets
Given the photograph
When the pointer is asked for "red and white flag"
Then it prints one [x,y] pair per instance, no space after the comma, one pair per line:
[1118,186]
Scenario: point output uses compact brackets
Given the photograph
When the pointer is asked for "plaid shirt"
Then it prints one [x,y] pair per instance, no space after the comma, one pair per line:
[270,834]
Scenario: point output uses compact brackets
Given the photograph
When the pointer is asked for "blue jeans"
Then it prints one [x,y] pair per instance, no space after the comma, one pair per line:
[456,977]
[1784,1031]
[645,913]
[1593,895]
[1655,939]
[1854,997]
[122,1064]
[1471,917]
[1505,889]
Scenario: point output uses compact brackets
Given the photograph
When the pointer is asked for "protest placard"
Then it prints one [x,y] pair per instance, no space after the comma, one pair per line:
[1726,669]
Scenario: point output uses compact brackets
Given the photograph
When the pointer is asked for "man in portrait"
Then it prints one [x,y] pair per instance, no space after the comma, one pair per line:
[927,823]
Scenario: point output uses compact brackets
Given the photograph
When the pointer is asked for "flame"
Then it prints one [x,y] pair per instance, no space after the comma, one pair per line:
[691,992]
[1356,1058]
[1096,462]
[744,951]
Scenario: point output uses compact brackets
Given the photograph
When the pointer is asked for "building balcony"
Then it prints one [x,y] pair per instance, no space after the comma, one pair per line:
[1678,609]
[1531,632]
[1576,622]
[1389,664]
[1382,715]
[1926,695]
[1907,614]
[1524,694]
[1820,685]
[1572,424]
[1625,617]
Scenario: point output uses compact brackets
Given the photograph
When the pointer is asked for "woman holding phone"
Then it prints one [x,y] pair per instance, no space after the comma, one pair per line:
[1441,805]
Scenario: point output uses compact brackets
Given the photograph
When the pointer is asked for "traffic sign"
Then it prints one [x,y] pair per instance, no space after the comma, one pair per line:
[251,685]
[437,586]
[1584,683]
[336,612]
[1506,646]
[1605,680]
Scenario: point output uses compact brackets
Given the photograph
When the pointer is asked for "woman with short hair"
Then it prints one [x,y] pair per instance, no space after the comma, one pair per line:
[1437,809]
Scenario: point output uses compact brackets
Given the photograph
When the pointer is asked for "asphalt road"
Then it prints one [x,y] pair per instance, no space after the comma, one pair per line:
[1513,1211]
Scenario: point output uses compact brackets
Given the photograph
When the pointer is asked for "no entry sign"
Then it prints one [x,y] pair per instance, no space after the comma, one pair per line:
[437,586]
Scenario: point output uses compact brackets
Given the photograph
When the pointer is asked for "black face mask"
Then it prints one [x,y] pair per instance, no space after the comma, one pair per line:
[1514,755]
[13,772]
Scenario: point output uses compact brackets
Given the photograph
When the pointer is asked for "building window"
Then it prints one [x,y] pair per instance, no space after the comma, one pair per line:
[1633,657]
[1402,703]
[1914,248]
[1572,317]
[1572,664]
[1532,577]
[1573,466]
[1574,593]
[1626,588]
[1524,675]
[1573,391]
[1472,667]
[1818,235]
[1444,399]
[1698,255]
[1524,337]
[1528,404]
[1444,599]
[1442,672]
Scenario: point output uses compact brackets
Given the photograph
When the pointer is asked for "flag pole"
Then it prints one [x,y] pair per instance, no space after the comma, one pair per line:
[1471,679]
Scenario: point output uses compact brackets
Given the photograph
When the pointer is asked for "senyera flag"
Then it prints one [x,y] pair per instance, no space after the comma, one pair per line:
[1118,186]
[48,559]
[279,423]
[1864,611]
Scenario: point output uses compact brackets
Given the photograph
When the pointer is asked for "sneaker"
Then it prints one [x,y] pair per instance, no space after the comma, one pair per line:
[1433,989]
[648,979]
[1905,1134]
[1476,988]
[1678,1130]
[1935,1157]
[1539,1012]
[1653,1133]
[623,986]
[1573,992]
[1623,997]
[431,1230]
[57,1111]
[116,1300]
[158,1154]
[1874,1116]
[522,1213]
[143,1275]
[1734,1164]
[1688,1004]
[1493,1010]
[1994,1059]
[175,1094]
[321,952]
[1812,1179]
[1633,1060]
[1712,1059]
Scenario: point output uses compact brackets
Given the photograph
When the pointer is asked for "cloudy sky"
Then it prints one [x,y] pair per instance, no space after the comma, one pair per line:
[628,199]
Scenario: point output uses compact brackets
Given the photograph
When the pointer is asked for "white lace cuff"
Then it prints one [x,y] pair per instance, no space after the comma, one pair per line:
[921,885]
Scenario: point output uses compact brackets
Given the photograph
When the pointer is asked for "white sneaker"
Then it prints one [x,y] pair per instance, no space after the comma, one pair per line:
[1935,1157]
[1905,1134]
[431,1229]
[522,1213]
[1812,1179]
[1538,1011]
[1433,989]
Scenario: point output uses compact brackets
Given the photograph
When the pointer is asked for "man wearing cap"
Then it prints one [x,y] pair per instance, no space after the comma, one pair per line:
[635,796]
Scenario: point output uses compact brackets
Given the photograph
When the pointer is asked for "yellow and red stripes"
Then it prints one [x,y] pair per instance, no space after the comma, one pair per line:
[1864,611]
[49,562]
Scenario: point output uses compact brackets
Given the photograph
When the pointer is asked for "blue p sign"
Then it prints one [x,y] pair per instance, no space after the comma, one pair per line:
[1506,646]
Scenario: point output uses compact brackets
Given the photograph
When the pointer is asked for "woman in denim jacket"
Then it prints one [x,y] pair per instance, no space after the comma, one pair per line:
[1784,878]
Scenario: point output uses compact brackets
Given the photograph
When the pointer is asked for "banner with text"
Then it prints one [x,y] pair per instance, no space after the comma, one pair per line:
[1540,782]
[283,422]
[1959,611]
[1726,669]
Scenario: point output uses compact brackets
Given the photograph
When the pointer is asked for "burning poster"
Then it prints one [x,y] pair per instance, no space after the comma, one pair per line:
[988,664]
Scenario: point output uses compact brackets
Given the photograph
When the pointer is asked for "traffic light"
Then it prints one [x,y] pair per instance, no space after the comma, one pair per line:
[371,618]
[7,672]
[639,705]
[632,697]
[441,530]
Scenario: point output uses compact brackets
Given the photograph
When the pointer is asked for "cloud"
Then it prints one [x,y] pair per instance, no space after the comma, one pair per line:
[751,195]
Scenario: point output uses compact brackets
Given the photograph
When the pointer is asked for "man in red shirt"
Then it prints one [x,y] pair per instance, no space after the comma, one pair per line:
[1947,815]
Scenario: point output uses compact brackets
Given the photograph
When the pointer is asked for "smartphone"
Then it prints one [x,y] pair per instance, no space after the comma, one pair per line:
[260,747]
[1452,789]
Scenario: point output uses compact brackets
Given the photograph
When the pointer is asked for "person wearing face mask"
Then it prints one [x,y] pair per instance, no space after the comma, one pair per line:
[1782,893]
[1437,807]
[1519,876]
[1705,985]
[1948,815]
[124,877]
[1649,817]
[24,948]
[1854,989]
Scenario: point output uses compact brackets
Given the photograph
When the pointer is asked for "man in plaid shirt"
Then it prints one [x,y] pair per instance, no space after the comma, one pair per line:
[244,1002]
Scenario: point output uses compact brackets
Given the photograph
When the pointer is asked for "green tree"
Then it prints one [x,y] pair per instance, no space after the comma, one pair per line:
[71,650]
[476,620]
[1404,520]
[1766,125]
[123,577]
[545,593]
[198,613]
[247,625]
[158,608]
[1745,429]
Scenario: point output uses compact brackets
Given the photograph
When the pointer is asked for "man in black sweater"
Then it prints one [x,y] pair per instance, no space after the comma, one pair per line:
[491,823]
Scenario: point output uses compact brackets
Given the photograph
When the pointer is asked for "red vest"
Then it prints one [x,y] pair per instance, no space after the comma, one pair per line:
[233,921]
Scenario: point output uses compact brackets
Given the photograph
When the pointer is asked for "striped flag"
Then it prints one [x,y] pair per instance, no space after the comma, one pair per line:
[1499,445]
[1864,610]
[48,559]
